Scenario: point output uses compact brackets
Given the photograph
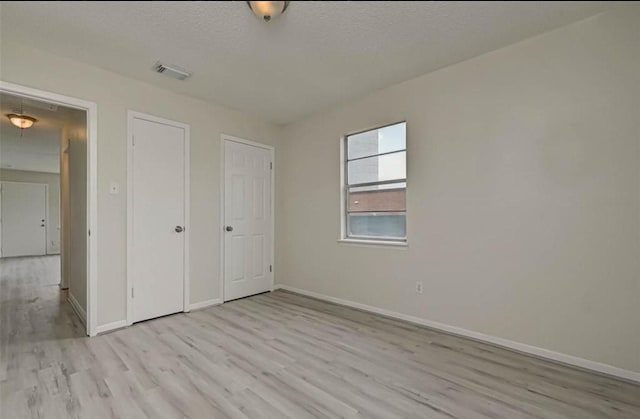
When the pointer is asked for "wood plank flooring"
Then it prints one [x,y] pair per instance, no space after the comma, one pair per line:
[274,355]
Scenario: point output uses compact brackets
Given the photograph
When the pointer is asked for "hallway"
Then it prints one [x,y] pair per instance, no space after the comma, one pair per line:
[35,322]
[33,309]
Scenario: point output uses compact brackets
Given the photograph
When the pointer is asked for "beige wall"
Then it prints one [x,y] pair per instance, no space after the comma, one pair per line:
[74,178]
[114,95]
[53,180]
[523,195]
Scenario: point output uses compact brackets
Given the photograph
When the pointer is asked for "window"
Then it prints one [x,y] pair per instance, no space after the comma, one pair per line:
[375,184]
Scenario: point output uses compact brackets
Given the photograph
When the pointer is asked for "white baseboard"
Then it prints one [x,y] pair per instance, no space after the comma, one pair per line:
[111,326]
[504,343]
[205,304]
[123,323]
[76,307]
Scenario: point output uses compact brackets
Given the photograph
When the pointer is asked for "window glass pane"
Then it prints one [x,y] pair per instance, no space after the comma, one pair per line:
[377,141]
[390,197]
[378,225]
[377,168]
[378,187]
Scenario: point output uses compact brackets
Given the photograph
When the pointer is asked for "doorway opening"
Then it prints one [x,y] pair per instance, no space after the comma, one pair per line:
[48,195]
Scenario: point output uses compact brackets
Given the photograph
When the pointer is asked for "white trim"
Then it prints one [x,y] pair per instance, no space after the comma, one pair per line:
[223,138]
[77,308]
[222,226]
[129,262]
[92,185]
[504,343]
[131,115]
[247,142]
[206,303]
[374,243]
[112,326]
[343,190]
[344,234]
[47,232]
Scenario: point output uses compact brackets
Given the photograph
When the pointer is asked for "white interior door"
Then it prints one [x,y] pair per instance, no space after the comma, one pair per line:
[247,212]
[157,236]
[24,215]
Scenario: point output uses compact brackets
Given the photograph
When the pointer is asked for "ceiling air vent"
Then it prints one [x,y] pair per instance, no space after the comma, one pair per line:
[172,71]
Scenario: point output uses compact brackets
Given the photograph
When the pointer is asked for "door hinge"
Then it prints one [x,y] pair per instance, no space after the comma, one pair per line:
[89,232]
[270,268]
[271,165]
[133,140]
[132,292]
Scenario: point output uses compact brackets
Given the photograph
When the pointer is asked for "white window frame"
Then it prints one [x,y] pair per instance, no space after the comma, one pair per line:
[344,196]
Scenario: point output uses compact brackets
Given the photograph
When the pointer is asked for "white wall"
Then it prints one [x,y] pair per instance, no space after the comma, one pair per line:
[53,180]
[523,195]
[114,95]
[36,151]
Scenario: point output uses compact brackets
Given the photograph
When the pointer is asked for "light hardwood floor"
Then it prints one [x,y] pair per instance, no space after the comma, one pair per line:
[273,355]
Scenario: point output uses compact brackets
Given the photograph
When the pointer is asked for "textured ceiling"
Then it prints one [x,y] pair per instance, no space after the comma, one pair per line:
[316,55]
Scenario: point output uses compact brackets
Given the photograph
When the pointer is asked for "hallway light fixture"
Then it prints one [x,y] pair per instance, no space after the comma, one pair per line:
[21,121]
[267,10]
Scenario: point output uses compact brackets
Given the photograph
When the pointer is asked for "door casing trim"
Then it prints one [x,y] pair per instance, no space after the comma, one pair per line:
[224,138]
[91,109]
[131,115]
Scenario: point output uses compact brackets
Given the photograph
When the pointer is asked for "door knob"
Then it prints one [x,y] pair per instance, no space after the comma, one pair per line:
[179,229]
[229,228]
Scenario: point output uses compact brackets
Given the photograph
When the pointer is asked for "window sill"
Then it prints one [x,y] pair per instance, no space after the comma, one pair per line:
[374,243]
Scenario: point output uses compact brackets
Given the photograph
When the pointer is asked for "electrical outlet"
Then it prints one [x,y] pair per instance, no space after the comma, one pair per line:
[419,287]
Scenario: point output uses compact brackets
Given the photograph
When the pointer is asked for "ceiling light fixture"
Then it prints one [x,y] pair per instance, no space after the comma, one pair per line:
[21,121]
[267,10]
